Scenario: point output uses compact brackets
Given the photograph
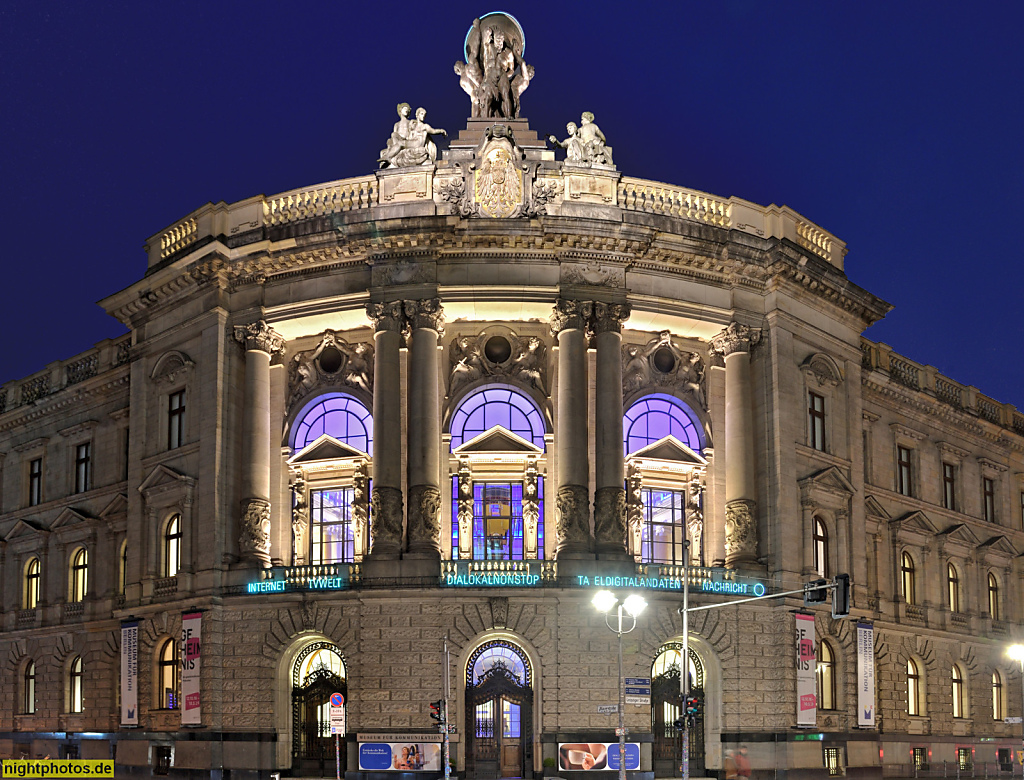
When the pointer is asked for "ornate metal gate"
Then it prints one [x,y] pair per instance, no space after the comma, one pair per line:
[311,728]
[666,707]
[499,724]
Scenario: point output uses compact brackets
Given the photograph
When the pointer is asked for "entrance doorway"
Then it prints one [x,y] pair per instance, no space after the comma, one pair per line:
[318,672]
[667,707]
[499,712]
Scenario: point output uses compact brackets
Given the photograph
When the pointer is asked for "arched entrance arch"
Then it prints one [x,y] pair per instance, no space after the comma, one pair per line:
[499,710]
[317,672]
[666,708]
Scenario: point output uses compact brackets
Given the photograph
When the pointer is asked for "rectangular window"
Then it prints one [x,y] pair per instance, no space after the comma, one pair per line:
[664,528]
[816,421]
[82,458]
[921,758]
[510,720]
[948,486]
[965,758]
[127,443]
[175,419]
[332,532]
[834,761]
[988,490]
[485,719]
[35,482]
[498,521]
[904,473]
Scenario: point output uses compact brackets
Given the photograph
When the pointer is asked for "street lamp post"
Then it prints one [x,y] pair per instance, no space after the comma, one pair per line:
[1016,652]
[605,601]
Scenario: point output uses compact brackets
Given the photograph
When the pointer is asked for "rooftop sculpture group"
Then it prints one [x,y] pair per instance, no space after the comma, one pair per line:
[494,74]
[585,145]
[410,142]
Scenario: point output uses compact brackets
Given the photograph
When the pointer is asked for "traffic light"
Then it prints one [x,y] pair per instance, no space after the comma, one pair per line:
[692,706]
[678,723]
[841,596]
[437,711]
[815,592]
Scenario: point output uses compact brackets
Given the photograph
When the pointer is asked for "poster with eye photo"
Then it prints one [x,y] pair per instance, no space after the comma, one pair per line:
[587,756]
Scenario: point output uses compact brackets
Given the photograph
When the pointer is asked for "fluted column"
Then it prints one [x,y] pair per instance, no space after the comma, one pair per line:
[426,318]
[260,342]
[610,463]
[386,499]
[572,503]
[734,344]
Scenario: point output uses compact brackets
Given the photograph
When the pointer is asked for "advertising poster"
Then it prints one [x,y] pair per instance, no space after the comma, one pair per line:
[865,675]
[130,673]
[586,756]
[806,663]
[189,652]
[400,756]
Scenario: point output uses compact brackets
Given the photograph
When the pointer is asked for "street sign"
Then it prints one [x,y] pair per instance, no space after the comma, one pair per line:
[607,709]
[337,713]
[1011,720]
[637,690]
[641,681]
[638,699]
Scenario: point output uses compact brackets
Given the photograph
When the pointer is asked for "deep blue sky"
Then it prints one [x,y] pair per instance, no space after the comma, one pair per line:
[895,126]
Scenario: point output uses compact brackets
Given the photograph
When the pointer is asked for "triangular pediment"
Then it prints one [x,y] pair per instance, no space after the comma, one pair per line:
[498,439]
[326,447]
[830,479]
[959,532]
[916,521]
[117,506]
[669,449]
[998,544]
[873,509]
[68,518]
[162,476]
[23,530]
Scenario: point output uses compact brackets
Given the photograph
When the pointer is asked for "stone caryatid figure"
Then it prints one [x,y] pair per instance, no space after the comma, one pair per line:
[410,142]
[494,74]
[586,144]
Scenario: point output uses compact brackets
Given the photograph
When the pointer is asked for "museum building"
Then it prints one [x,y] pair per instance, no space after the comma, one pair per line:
[387,436]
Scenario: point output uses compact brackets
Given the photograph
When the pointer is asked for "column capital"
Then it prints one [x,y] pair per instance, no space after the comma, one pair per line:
[386,316]
[425,313]
[259,336]
[735,338]
[608,317]
[570,314]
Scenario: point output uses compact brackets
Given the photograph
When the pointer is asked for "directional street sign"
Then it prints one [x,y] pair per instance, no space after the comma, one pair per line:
[636,690]
[607,709]
[643,682]
[1011,720]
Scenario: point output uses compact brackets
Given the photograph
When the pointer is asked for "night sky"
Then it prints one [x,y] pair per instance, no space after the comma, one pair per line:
[895,126]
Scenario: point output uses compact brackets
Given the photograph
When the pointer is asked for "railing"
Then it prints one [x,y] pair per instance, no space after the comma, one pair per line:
[314,575]
[915,612]
[178,237]
[73,609]
[26,617]
[640,195]
[35,389]
[81,369]
[880,357]
[333,198]
[167,586]
[498,573]
[814,238]
[959,620]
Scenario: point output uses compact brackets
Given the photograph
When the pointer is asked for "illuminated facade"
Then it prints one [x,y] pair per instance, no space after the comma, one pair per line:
[353,419]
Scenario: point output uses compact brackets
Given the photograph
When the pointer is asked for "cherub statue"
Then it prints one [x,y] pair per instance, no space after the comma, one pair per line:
[572,145]
[410,142]
[593,141]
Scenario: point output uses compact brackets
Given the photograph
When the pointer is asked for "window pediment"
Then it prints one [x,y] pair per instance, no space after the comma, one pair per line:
[830,480]
[497,439]
[164,478]
[960,534]
[1000,546]
[873,509]
[914,524]
[325,448]
[669,450]
[69,520]
[24,536]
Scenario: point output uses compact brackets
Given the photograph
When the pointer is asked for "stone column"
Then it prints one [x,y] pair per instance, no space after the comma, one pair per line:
[610,462]
[386,516]
[572,504]
[426,318]
[260,342]
[733,344]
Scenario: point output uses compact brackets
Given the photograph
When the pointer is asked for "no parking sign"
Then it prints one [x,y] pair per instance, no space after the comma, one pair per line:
[337,714]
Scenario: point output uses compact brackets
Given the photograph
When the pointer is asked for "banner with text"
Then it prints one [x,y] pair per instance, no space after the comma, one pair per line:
[406,756]
[190,651]
[130,673]
[865,675]
[806,661]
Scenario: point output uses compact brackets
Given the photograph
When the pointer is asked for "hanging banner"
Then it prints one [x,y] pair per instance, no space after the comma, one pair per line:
[191,648]
[806,661]
[130,673]
[865,675]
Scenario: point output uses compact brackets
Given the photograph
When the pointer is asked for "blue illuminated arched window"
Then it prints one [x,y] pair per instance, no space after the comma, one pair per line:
[497,405]
[654,417]
[337,415]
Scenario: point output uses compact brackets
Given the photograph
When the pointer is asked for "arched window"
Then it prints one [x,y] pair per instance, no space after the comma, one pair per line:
[953,582]
[958,692]
[820,542]
[79,574]
[669,658]
[826,676]
[322,658]
[909,578]
[33,573]
[122,572]
[75,685]
[499,653]
[494,405]
[997,696]
[993,596]
[28,702]
[913,688]
[656,416]
[172,546]
[339,416]
[167,675]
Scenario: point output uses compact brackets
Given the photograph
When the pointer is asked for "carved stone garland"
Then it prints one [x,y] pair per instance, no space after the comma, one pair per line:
[311,368]
[526,364]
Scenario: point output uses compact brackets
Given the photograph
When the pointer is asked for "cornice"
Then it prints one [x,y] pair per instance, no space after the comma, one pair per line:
[63,399]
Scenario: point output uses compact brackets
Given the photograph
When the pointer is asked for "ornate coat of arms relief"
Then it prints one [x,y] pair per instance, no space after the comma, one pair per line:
[498,181]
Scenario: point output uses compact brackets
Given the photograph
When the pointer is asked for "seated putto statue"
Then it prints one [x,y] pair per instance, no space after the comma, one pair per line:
[586,145]
[494,74]
[410,142]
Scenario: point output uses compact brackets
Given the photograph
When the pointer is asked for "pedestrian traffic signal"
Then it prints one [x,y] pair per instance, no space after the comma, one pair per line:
[678,723]
[692,705]
[816,591]
[437,710]
[841,596]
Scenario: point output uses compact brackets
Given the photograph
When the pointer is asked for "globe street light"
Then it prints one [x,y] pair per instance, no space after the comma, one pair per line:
[605,601]
[1016,652]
